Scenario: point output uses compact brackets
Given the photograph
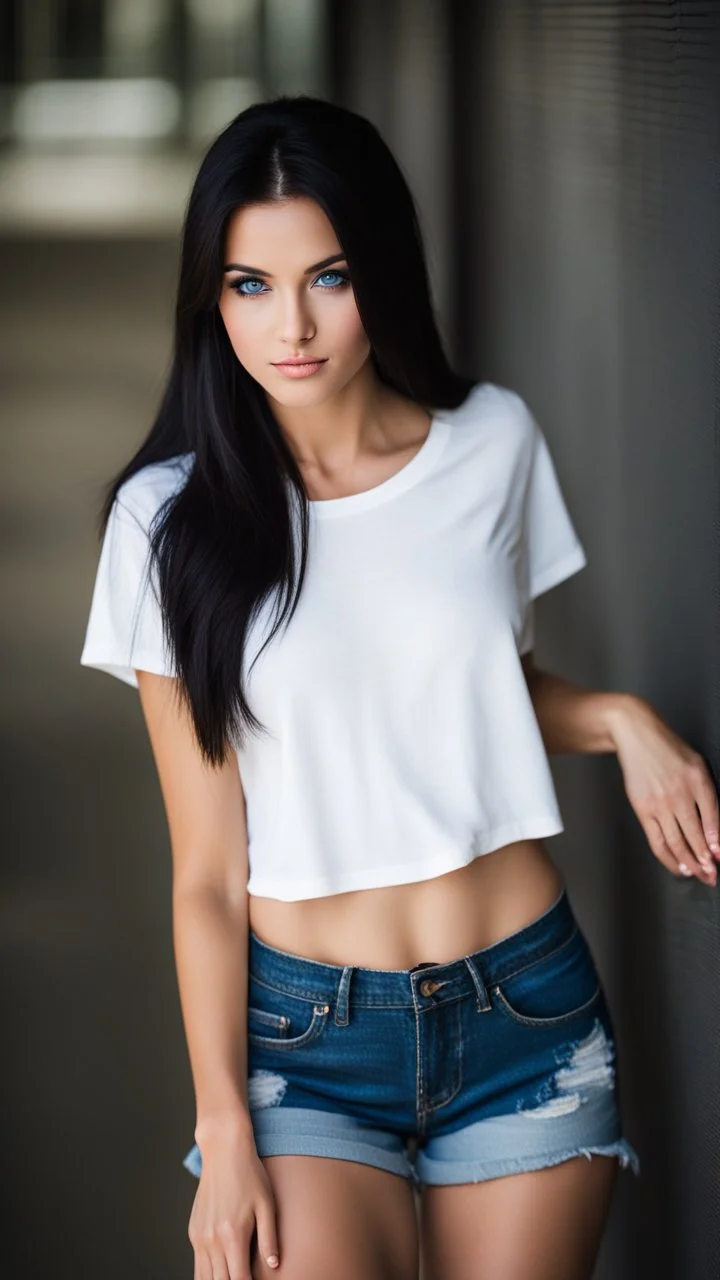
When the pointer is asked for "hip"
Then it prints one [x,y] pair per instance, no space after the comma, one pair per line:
[481,1034]
[495,1062]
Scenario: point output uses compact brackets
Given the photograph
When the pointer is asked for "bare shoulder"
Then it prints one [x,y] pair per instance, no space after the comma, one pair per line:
[205,805]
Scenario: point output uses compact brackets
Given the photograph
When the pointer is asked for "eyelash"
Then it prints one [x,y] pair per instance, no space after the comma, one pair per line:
[235,284]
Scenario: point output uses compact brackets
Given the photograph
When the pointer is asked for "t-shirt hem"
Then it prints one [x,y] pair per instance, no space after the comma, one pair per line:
[400,873]
[105,661]
[557,572]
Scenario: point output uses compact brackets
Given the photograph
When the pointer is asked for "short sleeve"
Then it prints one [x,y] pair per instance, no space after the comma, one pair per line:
[553,550]
[124,629]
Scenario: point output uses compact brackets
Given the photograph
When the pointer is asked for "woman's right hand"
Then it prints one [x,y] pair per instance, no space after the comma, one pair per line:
[234,1197]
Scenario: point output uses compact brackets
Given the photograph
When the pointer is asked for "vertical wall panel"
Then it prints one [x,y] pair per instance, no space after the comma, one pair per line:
[582,216]
[597,293]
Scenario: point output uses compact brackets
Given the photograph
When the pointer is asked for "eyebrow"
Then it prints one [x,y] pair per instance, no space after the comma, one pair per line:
[256,271]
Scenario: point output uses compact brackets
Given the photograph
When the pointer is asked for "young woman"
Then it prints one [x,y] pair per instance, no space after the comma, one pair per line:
[319,570]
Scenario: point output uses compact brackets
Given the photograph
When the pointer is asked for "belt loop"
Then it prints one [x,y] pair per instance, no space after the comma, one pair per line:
[482,1004]
[343,997]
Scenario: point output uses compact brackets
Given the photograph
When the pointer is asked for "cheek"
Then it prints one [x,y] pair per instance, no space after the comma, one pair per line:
[243,328]
[346,327]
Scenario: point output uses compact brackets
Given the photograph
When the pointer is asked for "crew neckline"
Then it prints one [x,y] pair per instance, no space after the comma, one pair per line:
[399,482]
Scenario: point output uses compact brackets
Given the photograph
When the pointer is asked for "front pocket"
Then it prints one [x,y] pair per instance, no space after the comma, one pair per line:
[554,989]
[269,1024]
[279,1020]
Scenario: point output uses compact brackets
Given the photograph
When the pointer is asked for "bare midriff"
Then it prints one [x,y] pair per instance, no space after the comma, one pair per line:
[399,926]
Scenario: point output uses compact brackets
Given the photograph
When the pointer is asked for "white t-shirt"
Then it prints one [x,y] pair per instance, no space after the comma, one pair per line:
[402,740]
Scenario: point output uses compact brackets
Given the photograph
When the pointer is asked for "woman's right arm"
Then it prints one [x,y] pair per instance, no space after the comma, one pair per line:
[205,810]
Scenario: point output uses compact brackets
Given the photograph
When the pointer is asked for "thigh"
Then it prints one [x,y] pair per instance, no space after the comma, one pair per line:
[544,1224]
[340,1218]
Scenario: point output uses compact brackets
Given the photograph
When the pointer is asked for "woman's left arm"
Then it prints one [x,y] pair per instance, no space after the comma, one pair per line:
[667,782]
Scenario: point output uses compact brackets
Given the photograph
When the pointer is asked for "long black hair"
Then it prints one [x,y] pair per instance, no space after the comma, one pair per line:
[224,543]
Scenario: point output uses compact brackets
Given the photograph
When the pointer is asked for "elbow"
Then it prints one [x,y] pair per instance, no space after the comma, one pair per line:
[197,879]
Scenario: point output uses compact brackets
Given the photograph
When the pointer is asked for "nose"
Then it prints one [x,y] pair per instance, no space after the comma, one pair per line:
[296,321]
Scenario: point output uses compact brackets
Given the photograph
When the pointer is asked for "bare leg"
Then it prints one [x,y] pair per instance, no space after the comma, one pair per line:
[340,1218]
[546,1224]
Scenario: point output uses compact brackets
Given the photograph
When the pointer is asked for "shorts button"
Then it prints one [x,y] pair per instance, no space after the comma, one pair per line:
[427,986]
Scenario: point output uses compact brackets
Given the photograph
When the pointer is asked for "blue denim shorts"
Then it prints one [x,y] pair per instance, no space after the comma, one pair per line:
[494,1063]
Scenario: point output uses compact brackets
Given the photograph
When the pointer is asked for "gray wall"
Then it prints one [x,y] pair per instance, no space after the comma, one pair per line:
[602,198]
[580,155]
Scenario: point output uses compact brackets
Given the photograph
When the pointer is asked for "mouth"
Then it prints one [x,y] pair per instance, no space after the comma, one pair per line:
[301,368]
[295,360]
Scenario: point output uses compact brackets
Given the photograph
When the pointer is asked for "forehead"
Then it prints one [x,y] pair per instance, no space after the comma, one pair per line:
[292,232]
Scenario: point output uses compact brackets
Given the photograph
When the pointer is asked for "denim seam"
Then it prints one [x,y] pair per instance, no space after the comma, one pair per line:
[419,1082]
[278,1020]
[545,1022]
[537,958]
[323,997]
[437,1106]
[302,994]
[319,1020]
[441,1004]
[287,991]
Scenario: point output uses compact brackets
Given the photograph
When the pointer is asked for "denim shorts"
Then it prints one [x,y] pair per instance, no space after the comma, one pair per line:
[498,1062]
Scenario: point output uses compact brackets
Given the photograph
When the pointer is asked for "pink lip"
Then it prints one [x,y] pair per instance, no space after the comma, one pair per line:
[299,368]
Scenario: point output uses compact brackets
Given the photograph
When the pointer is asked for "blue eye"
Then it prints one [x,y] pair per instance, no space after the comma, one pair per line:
[249,280]
[340,279]
[252,287]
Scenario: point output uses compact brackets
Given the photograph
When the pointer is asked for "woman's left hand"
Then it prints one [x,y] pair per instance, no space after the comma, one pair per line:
[670,789]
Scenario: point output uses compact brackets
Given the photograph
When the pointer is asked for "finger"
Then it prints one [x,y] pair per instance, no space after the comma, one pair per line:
[203,1265]
[268,1245]
[239,1256]
[219,1263]
[707,801]
[678,845]
[235,1241]
[689,822]
[656,840]
[239,1261]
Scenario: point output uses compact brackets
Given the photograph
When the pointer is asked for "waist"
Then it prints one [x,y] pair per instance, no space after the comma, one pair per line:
[298,975]
[398,926]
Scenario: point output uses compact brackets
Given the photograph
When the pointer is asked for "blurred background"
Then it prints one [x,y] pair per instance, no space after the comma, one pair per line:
[566,161]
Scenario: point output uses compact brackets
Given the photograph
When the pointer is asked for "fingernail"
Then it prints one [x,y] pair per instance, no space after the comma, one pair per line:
[715,846]
[685,869]
[273,1260]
